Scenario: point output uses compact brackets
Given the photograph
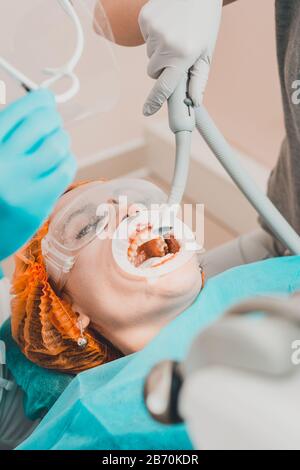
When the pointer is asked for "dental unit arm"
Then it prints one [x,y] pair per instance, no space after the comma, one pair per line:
[182,119]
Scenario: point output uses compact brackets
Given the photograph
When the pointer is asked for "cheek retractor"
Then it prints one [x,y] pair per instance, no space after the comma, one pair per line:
[142,249]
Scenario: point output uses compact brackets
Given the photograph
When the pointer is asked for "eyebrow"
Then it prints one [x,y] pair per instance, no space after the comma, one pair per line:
[75,214]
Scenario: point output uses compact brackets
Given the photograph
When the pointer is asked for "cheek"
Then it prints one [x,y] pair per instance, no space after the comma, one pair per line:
[97,290]
[86,276]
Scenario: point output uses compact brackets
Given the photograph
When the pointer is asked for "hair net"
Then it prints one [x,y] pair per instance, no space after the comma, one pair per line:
[44,324]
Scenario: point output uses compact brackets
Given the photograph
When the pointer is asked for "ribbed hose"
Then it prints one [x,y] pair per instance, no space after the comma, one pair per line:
[181,172]
[226,156]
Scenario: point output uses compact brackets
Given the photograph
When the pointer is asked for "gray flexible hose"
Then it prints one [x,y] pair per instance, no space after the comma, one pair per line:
[226,156]
[182,124]
[181,172]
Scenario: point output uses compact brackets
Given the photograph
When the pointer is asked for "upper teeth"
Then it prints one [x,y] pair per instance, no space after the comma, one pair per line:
[141,237]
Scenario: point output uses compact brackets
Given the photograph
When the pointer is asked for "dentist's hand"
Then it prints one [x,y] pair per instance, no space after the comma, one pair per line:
[36,165]
[180,37]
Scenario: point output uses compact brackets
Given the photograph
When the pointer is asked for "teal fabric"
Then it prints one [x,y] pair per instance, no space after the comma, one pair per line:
[42,387]
[103,408]
[1,272]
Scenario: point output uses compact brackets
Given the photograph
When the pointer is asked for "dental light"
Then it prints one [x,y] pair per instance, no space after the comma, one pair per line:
[66,71]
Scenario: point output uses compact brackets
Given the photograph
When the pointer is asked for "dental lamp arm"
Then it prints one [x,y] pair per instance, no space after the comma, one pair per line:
[224,153]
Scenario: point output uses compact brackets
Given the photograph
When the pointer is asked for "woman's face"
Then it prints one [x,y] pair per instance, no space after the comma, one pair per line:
[127,310]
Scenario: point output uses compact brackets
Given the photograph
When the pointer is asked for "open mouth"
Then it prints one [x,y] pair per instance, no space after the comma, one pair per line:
[143,243]
[149,251]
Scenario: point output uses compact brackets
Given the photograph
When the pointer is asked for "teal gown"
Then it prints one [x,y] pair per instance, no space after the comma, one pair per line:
[103,408]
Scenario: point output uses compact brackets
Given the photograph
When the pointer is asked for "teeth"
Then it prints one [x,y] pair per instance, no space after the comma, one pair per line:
[150,261]
[145,236]
[141,236]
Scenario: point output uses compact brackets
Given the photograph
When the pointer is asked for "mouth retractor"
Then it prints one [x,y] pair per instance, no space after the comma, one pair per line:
[141,248]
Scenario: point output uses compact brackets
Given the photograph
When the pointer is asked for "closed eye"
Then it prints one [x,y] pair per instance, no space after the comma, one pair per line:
[91,227]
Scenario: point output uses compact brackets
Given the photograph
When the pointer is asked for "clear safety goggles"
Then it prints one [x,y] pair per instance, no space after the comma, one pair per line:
[94,213]
[64,45]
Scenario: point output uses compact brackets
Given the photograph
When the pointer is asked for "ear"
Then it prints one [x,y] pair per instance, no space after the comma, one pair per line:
[85,319]
[82,317]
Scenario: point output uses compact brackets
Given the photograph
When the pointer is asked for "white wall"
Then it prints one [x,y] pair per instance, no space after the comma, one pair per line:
[243,93]
[125,121]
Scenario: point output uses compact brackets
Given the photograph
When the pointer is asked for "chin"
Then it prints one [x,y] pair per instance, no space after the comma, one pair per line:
[185,284]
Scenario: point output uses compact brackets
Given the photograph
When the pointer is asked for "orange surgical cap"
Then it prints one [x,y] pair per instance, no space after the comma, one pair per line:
[44,324]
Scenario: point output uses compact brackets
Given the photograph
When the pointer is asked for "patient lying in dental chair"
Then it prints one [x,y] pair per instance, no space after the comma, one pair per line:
[71,320]
[104,408]
[116,314]
[98,312]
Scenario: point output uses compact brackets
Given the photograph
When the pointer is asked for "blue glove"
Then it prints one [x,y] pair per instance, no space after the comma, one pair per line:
[36,166]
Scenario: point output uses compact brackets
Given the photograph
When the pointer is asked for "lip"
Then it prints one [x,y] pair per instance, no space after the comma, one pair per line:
[154,267]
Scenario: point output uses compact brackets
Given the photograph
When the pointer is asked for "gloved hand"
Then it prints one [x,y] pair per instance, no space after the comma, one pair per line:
[36,165]
[180,37]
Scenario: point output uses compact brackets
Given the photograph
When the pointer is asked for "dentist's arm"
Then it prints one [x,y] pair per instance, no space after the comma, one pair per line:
[180,35]
[123,16]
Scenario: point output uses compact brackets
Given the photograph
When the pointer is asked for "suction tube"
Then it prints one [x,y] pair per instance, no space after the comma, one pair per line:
[224,153]
[182,123]
[182,163]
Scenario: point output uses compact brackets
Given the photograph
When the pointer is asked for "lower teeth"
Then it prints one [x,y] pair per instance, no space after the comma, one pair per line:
[154,252]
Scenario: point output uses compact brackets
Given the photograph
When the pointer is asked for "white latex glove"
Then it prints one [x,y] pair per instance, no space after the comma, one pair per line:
[180,36]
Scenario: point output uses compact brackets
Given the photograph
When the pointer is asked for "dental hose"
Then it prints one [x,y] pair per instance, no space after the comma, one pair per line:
[224,153]
[182,123]
[181,172]
[183,119]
